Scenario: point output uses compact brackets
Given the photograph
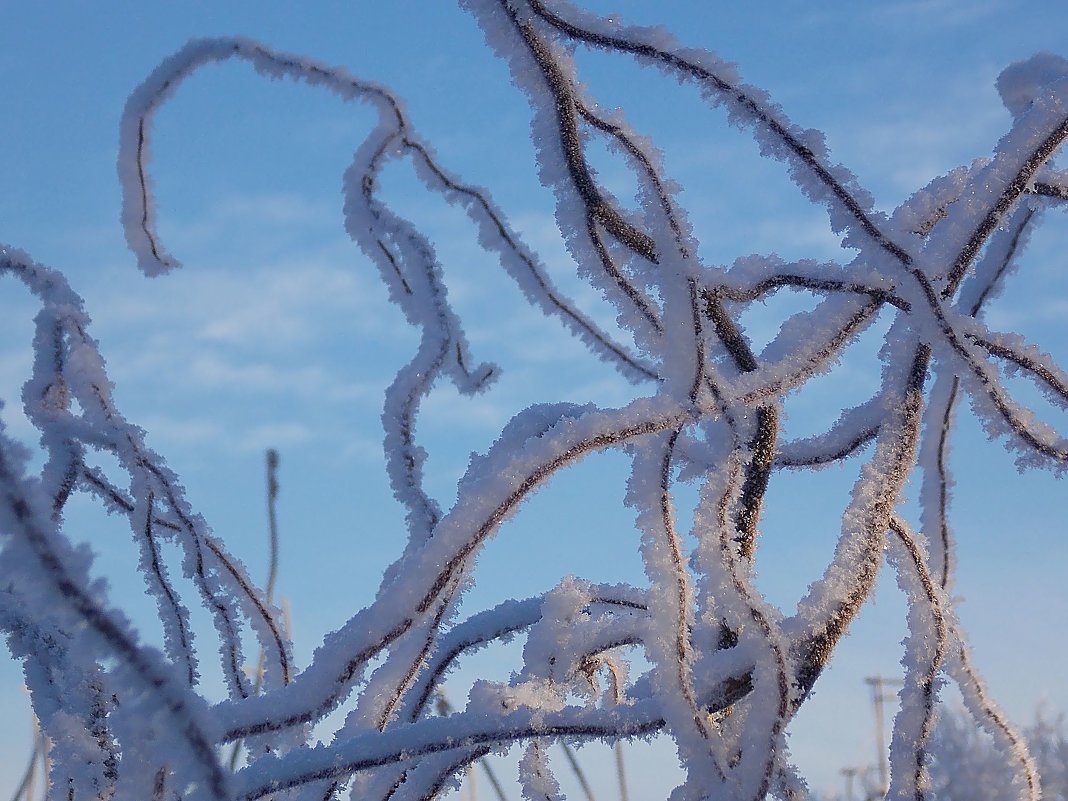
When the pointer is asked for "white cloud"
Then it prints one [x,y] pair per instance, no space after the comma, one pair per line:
[165,429]
[274,304]
[278,435]
[167,432]
[447,408]
[213,371]
[255,342]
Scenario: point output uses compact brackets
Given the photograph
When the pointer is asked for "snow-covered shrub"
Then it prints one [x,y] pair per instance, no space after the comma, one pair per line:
[728,670]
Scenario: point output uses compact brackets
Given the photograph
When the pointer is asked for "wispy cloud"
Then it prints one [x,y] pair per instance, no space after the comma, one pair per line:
[170,431]
[263,338]
[278,305]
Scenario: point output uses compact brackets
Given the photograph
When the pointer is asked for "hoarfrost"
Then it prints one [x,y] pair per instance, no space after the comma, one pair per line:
[728,670]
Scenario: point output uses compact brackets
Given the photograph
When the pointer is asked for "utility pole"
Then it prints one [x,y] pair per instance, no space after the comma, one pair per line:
[850,774]
[879,696]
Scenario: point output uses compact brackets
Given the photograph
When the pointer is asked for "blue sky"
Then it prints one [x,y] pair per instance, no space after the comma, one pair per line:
[278,333]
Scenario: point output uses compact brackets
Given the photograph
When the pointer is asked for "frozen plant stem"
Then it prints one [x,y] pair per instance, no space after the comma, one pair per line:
[444,708]
[728,670]
[38,756]
[272,460]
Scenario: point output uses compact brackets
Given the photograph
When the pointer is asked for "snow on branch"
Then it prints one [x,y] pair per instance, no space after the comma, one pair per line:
[727,670]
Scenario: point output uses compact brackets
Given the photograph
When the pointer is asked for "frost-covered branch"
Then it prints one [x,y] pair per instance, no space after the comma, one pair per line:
[727,670]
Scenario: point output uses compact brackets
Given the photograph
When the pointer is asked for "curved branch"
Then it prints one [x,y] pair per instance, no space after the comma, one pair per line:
[815,284]
[464,731]
[529,273]
[854,429]
[479,511]
[921,655]
[750,106]
[1034,158]
[158,690]
[850,578]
